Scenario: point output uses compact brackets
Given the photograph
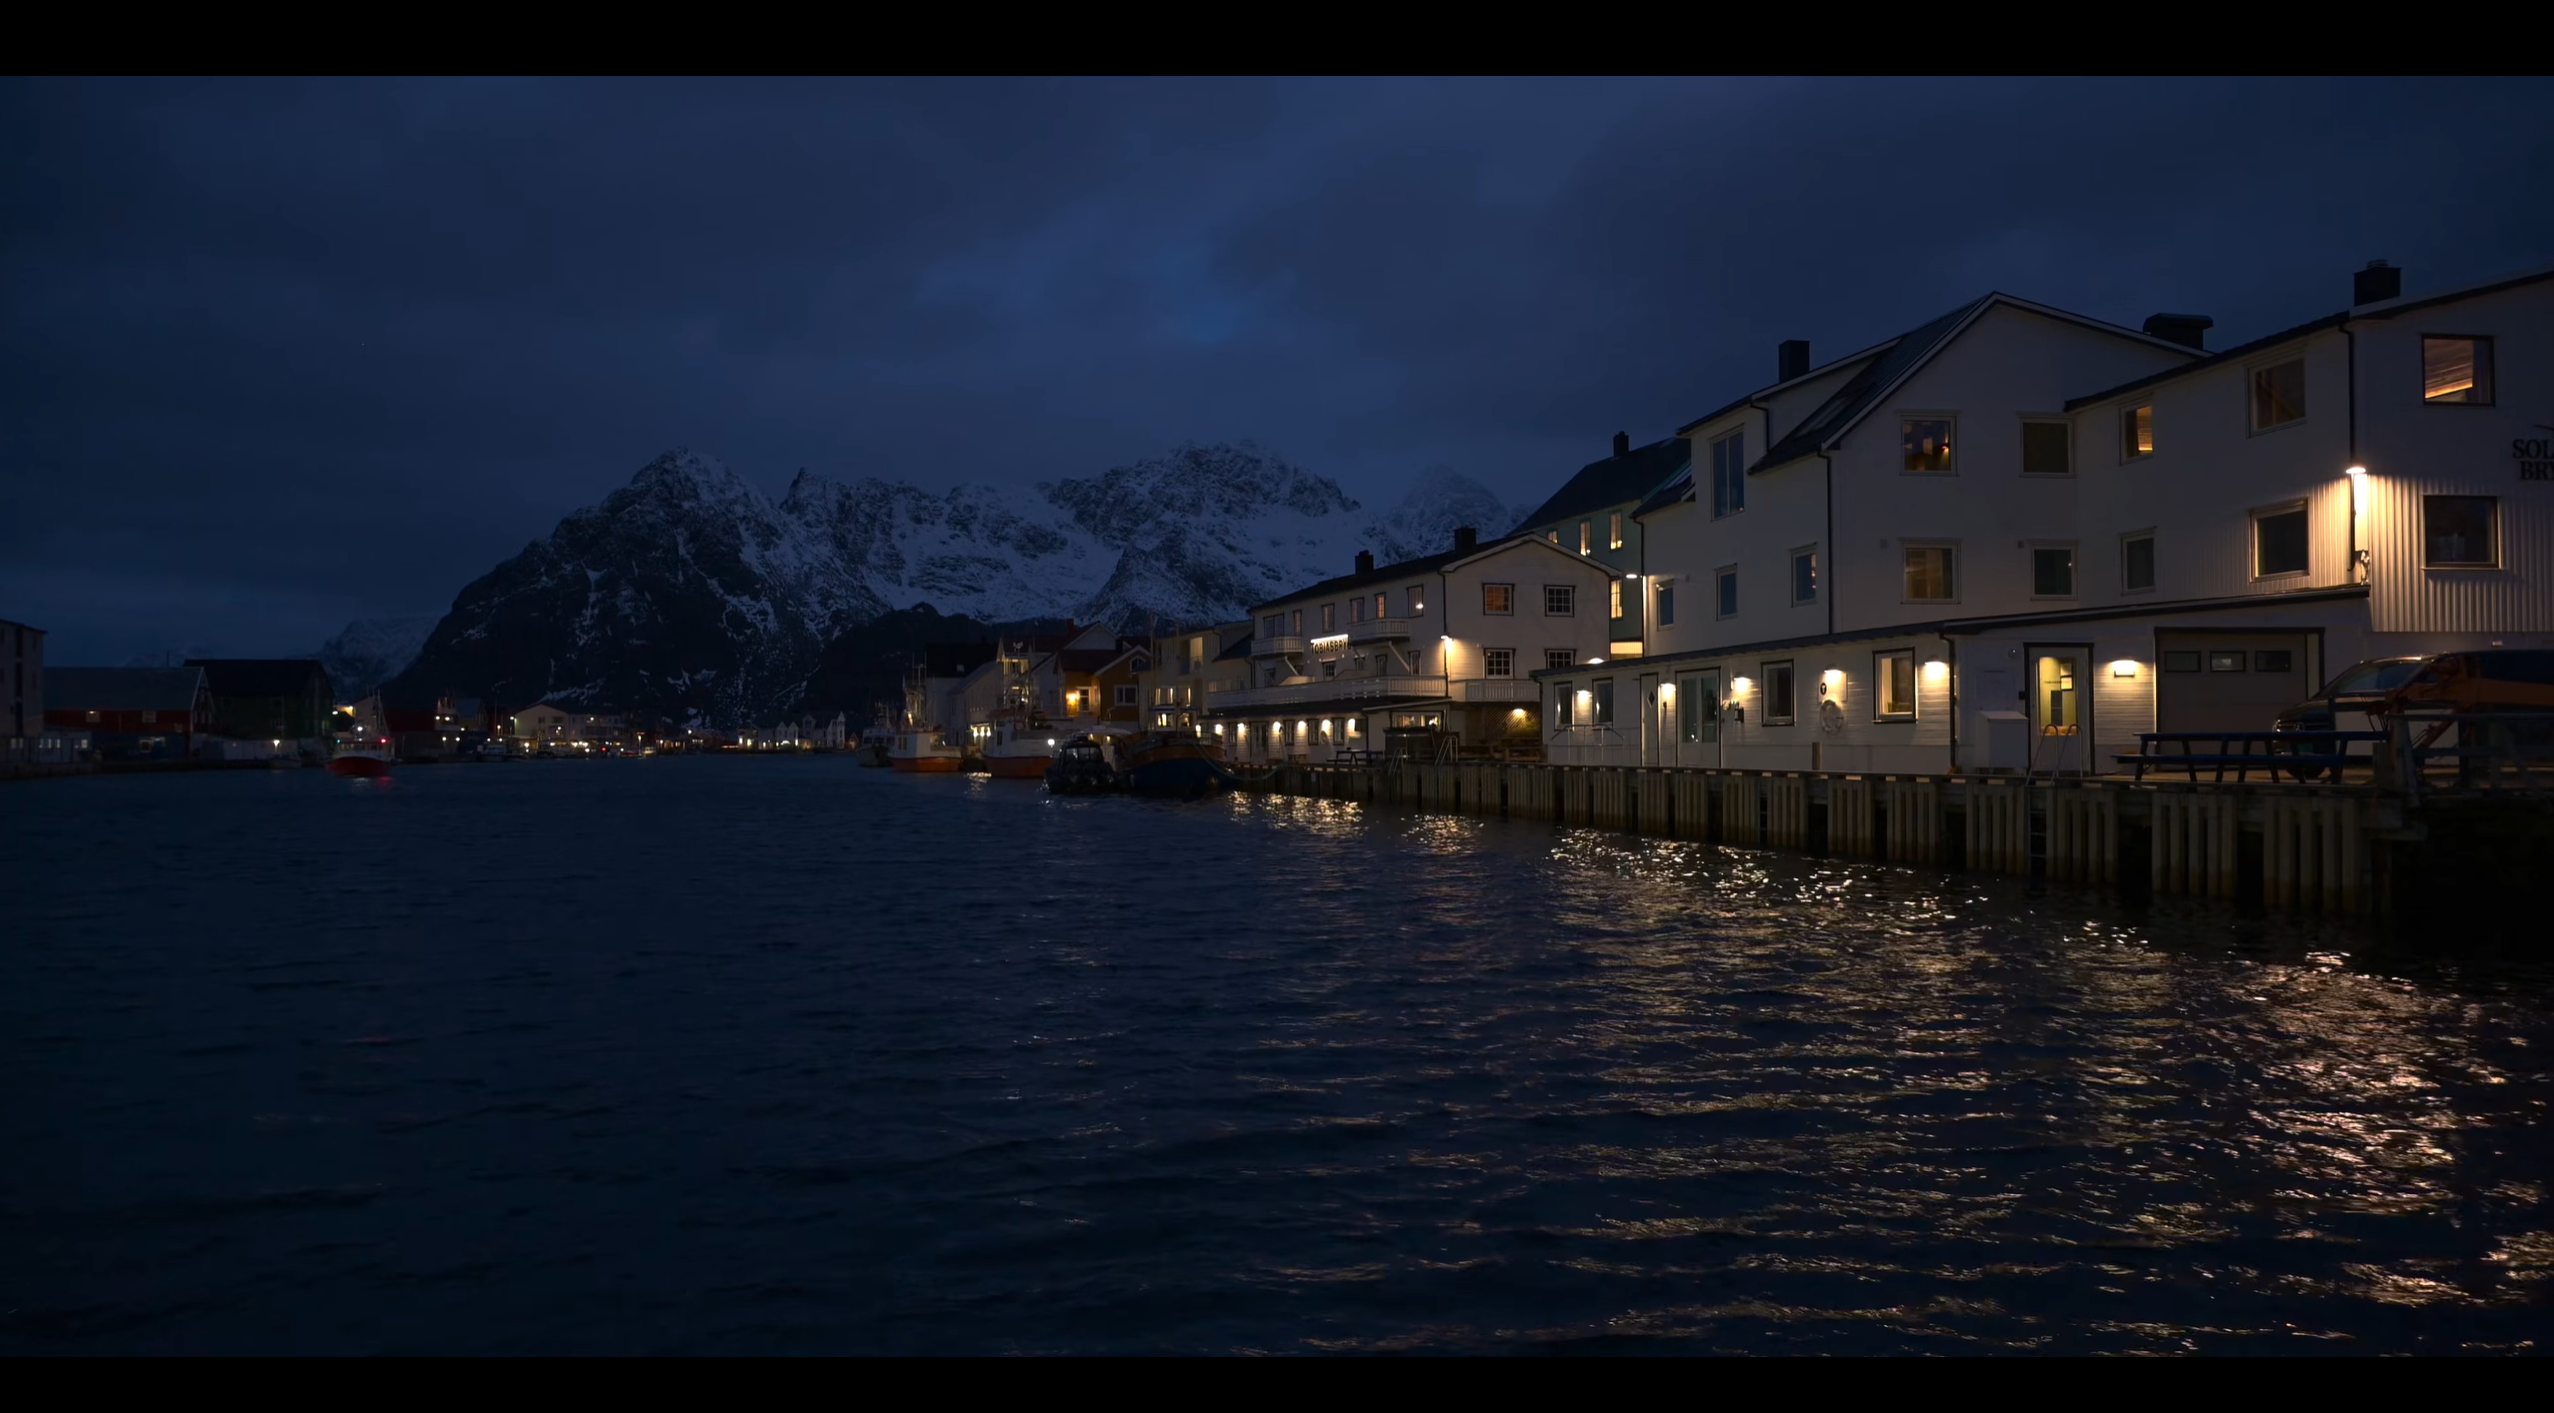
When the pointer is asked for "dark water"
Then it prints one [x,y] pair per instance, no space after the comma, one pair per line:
[781,1055]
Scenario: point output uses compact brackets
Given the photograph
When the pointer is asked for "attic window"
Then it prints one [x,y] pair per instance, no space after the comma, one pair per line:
[1926,442]
[2456,370]
[2279,395]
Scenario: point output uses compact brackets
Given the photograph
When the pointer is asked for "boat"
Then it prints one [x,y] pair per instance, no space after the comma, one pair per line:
[917,745]
[872,750]
[1177,765]
[367,760]
[1081,767]
[1021,742]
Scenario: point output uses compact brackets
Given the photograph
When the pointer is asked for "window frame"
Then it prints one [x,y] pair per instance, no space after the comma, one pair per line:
[1569,596]
[1790,716]
[1663,601]
[1880,661]
[1729,475]
[1564,702]
[2128,451]
[1600,701]
[1724,592]
[2259,513]
[2127,538]
[2492,532]
[1418,601]
[1329,618]
[2074,569]
[2065,426]
[2487,365]
[1951,569]
[1792,562]
[1125,694]
[1568,659]
[1614,530]
[1507,612]
[2253,374]
[1587,538]
[1950,443]
[1489,662]
[1613,598]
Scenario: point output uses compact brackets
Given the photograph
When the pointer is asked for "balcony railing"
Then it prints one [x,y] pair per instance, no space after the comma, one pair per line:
[1379,630]
[1283,645]
[1496,689]
[1388,687]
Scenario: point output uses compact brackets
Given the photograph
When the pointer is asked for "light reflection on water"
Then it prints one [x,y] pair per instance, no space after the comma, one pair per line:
[777,1055]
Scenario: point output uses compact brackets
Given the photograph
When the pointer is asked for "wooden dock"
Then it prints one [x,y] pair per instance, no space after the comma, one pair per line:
[2314,848]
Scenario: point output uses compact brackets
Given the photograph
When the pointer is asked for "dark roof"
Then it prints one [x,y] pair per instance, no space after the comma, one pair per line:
[1086,659]
[1614,481]
[1679,487]
[1425,564]
[1239,650]
[122,688]
[955,659]
[1867,387]
[2213,360]
[261,676]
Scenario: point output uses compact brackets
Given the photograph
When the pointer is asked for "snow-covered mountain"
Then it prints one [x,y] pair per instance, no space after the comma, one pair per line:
[371,651]
[690,594]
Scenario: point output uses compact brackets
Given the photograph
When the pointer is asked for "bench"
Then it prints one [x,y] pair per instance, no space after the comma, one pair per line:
[2281,753]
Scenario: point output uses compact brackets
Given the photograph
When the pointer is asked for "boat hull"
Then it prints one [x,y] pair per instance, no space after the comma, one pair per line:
[1184,777]
[1018,767]
[359,768]
[927,765]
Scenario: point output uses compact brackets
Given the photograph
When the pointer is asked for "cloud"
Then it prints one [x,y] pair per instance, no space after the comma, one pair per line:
[279,353]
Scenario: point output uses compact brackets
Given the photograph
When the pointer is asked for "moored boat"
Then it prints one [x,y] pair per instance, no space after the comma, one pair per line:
[1020,742]
[364,762]
[1175,765]
[1081,767]
[917,744]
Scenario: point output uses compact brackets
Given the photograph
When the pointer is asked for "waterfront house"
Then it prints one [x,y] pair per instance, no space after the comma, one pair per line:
[1186,667]
[2014,538]
[1432,655]
[543,725]
[1117,686]
[273,699]
[22,723]
[131,713]
[1595,514]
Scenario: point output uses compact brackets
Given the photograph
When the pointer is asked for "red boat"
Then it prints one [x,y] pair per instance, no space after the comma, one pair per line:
[361,763]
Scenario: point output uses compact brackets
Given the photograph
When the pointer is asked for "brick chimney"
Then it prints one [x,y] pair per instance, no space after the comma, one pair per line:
[2188,330]
[1791,359]
[1365,561]
[2379,281]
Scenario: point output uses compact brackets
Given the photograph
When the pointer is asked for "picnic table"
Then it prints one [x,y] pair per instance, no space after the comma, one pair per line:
[2301,754]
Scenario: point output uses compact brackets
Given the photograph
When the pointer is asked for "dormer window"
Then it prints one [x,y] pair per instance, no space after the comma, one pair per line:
[2279,395]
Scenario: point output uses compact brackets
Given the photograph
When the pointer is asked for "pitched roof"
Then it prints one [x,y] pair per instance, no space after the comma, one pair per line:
[1679,487]
[1424,564]
[122,688]
[1614,481]
[1085,659]
[1908,352]
[261,676]
[1239,651]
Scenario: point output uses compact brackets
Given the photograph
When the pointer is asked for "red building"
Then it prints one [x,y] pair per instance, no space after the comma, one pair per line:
[131,712]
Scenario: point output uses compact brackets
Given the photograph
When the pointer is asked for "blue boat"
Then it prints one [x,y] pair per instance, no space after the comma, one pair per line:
[1174,766]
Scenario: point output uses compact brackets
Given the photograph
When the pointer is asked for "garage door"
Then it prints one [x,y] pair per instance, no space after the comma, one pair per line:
[2226,680]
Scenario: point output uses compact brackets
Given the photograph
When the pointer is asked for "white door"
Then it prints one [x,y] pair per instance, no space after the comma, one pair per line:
[1697,718]
[1653,723]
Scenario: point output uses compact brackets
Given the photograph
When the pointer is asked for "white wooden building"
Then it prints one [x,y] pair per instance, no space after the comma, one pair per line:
[2016,538]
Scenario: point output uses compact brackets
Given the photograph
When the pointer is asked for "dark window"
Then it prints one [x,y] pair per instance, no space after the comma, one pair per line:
[1563,700]
[1357,609]
[1603,711]
[2045,449]
[1295,621]
[1729,475]
[2279,543]
[2136,432]
[2456,370]
[1930,574]
[1778,698]
[2181,661]
[2053,572]
[1330,618]
[1725,592]
[2137,562]
[2232,661]
[1926,442]
[1557,657]
[2274,660]
[1804,576]
[1560,600]
[1498,662]
[2278,394]
[1666,605]
[2460,532]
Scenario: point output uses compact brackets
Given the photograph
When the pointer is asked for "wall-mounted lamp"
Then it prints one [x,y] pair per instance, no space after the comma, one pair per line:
[1936,670]
[2124,667]
[1666,692]
[1738,686]
[1831,683]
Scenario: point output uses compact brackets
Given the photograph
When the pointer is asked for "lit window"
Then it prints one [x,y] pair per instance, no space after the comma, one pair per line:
[1586,541]
[1498,598]
[2460,532]
[2226,661]
[2279,395]
[2279,541]
[1665,596]
[1725,592]
[1932,574]
[1601,710]
[1554,658]
[1614,535]
[1729,475]
[1896,700]
[1418,600]
[1804,576]
[1560,600]
[1330,618]
[1498,662]
[1382,609]
[2047,449]
[1778,694]
[1926,443]
[2136,432]
[2456,370]
[2053,572]
[1357,610]
[1295,620]
[2137,562]
[1614,603]
[1553,535]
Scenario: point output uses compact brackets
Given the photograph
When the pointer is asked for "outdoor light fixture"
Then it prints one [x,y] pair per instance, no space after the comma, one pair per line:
[1739,686]
[2124,667]
[1594,660]
[1667,691]
[1937,669]
[1831,682]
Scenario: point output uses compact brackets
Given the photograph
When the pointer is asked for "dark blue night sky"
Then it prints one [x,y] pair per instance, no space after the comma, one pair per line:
[280,355]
